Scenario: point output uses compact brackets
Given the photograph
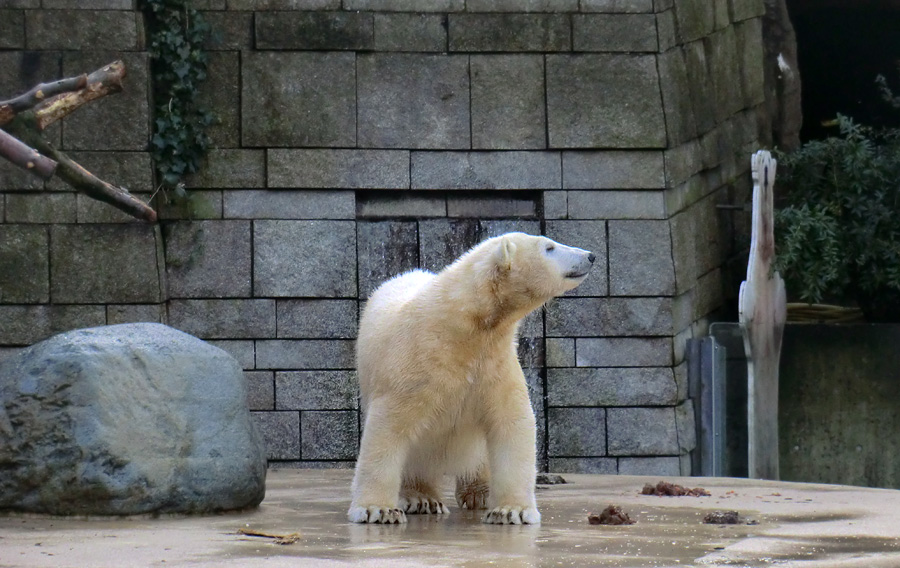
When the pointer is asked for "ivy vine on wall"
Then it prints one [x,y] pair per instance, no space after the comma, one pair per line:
[176,33]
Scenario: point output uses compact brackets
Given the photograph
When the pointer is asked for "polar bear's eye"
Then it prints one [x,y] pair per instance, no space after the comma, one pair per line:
[550,248]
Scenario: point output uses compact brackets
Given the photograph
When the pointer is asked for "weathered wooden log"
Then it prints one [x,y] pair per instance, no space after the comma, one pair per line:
[99,84]
[25,156]
[762,313]
[39,94]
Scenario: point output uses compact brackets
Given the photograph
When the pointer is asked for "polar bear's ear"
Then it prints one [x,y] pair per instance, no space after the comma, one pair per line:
[507,252]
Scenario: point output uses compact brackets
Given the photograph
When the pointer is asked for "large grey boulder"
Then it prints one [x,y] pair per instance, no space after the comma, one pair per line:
[126,419]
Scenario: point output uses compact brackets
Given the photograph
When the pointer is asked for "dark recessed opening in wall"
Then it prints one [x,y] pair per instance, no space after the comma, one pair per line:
[842,46]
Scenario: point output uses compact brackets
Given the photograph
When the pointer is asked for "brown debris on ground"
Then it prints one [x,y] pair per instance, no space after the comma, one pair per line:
[666,489]
[722,518]
[276,538]
[611,515]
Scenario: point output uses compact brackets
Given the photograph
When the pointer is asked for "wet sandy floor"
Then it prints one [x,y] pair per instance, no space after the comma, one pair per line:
[798,525]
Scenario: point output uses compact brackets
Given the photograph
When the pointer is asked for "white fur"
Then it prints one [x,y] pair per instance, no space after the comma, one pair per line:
[442,389]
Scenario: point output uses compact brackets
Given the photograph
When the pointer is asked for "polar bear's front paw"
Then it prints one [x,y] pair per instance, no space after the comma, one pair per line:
[383,515]
[423,505]
[512,516]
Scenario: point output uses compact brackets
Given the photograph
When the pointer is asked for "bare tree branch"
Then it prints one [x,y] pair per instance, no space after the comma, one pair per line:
[25,156]
[39,94]
[99,84]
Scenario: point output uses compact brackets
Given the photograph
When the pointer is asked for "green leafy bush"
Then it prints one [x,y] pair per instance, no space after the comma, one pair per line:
[838,236]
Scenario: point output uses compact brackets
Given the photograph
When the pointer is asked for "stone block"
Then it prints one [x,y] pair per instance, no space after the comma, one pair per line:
[521,6]
[603,466]
[640,259]
[508,109]
[604,100]
[576,432]
[696,19]
[413,101]
[642,431]
[632,33]
[12,4]
[131,170]
[617,6]
[220,94]
[709,294]
[224,319]
[744,9]
[280,204]
[88,4]
[441,241]
[12,29]
[243,350]
[700,81]
[24,325]
[387,204]
[84,30]
[406,5]
[317,319]
[305,354]
[40,208]
[509,32]
[314,30]
[260,389]
[683,162]
[666,31]
[298,99]
[555,205]
[124,263]
[604,317]
[197,254]
[329,435]
[410,32]
[725,72]
[617,205]
[723,18]
[89,210]
[324,266]
[613,170]
[229,31]
[657,466]
[676,97]
[254,5]
[485,170]
[333,169]
[24,264]
[504,205]
[687,432]
[316,390]
[750,47]
[588,235]
[611,387]
[280,432]
[125,116]
[200,204]
[135,313]
[12,177]
[230,168]
[623,352]
[385,249]
[560,352]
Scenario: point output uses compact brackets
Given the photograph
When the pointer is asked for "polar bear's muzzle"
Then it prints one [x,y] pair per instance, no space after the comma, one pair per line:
[574,263]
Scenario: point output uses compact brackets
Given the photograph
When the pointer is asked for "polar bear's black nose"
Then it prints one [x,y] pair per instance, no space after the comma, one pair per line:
[591,257]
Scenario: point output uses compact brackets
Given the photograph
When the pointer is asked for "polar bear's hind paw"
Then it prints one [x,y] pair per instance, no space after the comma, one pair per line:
[421,505]
[383,515]
[512,516]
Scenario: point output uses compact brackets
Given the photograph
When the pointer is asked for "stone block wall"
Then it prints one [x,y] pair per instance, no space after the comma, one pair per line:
[361,138]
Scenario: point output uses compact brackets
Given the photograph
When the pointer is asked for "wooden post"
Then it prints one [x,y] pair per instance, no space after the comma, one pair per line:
[762,312]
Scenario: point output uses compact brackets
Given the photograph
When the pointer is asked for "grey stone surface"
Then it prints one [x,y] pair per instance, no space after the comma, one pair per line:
[88,4]
[135,313]
[406,204]
[385,249]
[666,30]
[485,170]
[260,389]
[611,387]
[24,264]
[750,48]
[521,5]
[220,94]
[560,352]
[131,170]
[508,109]
[683,162]
[277,204]
[687,431]
[224,319]
[509,32]
[124,261]
[606,466]
[230,31]
[405,5]
[315,319]
[281,434]
[284,4]
[329,435]
[702,92]
[617,6]
[125,116]
[208,259]
[89,210]
[413,101]
[24,325]
[230,168]
[314,30]
[201,204]
[633,33]
[696,19]
[724,66]
[613,170]
[616,205]
[83,29]
[243,350]
[623,352]
[119,420]
[576,432]
[605,101]
[662,466]
[640,259]
[510,205]
[298,99]
[15,178]
[588,235]
[441,241]
[316,390]
[410,32]
[642,431]
[676,96]
[351,169]
[578,317]
[744,9]
[305,354]
[555,205]
[324,266]
[12,29]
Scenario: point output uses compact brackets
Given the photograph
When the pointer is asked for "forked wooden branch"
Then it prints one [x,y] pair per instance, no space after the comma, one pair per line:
[99,84]
[39,94]
[762,312]
[25,156]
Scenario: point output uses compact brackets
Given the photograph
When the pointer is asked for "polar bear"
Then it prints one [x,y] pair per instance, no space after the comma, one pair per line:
[441,387]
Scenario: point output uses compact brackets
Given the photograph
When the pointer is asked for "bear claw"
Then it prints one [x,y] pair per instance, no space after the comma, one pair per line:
[512,516]
[423,506]
[383,515]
